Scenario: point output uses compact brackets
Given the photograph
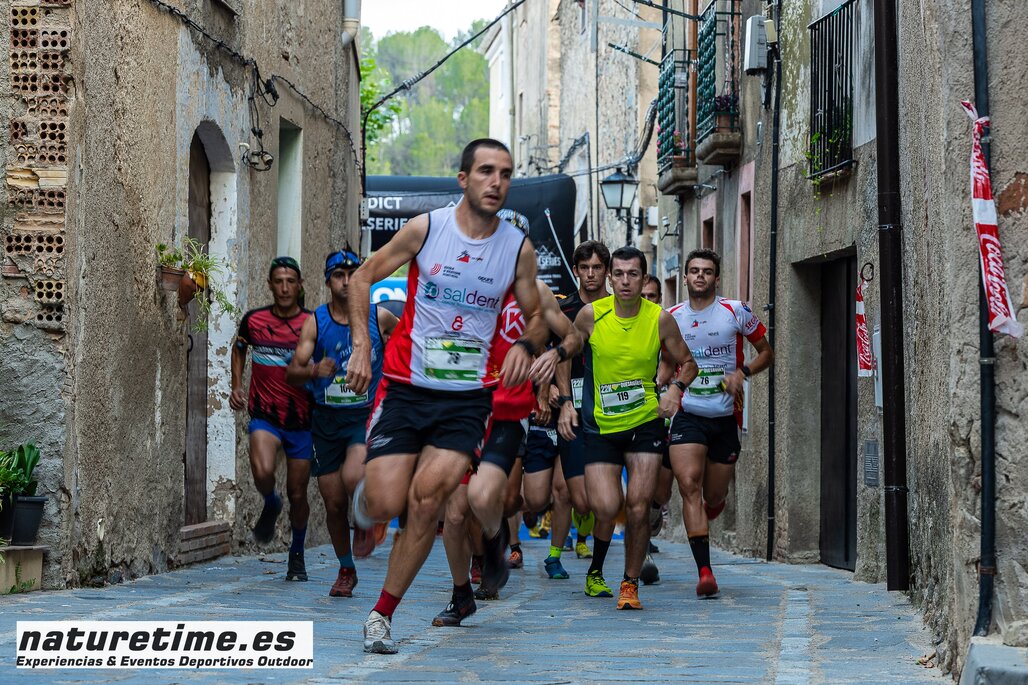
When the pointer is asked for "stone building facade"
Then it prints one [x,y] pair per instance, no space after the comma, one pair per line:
[130,125]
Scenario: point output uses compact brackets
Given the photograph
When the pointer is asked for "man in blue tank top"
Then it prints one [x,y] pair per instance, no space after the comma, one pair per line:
[339,415]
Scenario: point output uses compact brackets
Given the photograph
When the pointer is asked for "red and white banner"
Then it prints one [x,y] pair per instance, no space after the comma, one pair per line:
[1001,310]
[865,361]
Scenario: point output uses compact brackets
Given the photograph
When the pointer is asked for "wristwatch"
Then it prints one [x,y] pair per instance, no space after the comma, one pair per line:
[746,371]
[562,354]
[527,345]
[680,385]
[562,399]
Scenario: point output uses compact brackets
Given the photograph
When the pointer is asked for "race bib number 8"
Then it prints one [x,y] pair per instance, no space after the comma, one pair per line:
[623,397]
[453,359]
[576,393]
[337,394]
[708,381]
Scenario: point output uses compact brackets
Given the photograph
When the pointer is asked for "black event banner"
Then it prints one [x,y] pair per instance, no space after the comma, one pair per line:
[545,203]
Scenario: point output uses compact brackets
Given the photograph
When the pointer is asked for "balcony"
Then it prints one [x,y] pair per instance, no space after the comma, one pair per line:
[718,130]
[676,164]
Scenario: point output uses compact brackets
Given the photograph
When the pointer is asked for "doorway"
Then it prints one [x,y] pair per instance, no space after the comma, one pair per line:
[838,540]
[196,354]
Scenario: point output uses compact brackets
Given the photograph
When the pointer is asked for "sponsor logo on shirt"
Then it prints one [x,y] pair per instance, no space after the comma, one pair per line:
[435,269]
[712,351]
[512,324]
[486,279]
[466,257]
[431,290]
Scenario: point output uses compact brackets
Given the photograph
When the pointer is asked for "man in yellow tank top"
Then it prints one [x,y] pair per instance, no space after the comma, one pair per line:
[622,419]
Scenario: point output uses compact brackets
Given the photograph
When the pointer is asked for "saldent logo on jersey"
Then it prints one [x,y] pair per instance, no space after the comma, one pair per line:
[471,299]
[711,351]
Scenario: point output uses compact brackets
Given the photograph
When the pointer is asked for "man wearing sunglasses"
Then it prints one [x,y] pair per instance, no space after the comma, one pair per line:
[279,412]
[339,415]
[428,424]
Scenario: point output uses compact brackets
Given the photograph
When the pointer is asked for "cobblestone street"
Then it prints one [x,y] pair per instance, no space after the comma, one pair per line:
[773,623]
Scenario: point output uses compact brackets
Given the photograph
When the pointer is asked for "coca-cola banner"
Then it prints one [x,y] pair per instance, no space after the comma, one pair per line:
[545,204]
[1001,309]
[865,360]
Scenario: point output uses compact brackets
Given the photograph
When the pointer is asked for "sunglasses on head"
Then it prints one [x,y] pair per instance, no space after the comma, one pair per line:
[287,262]
[343,259]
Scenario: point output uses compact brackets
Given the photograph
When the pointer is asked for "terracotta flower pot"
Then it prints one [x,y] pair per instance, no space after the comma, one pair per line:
[186,290]
[169,277]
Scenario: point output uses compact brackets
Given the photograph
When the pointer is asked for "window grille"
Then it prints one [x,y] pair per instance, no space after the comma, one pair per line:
[717,65]
[831,91]
[673,140]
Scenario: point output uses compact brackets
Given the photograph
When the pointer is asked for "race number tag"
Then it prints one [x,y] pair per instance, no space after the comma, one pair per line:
[576,393]
[337,394]
[619,398]
[453,359]
[708,381]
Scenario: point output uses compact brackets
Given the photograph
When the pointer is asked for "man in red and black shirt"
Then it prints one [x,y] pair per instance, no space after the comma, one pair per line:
[279,413]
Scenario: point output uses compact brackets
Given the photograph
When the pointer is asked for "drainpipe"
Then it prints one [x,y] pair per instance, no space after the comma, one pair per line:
[987,361]
[773,281]
[351,21]
[890,256]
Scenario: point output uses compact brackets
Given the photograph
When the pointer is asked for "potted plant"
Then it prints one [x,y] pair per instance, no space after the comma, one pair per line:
[169,267]
[27,507]
[196,268]
[725,107]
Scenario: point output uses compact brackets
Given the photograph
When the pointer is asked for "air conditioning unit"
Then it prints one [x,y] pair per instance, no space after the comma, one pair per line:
[755,55]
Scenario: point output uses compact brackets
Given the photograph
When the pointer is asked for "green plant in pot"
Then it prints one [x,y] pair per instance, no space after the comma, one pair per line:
[195,268]
[169,267]
[16,468]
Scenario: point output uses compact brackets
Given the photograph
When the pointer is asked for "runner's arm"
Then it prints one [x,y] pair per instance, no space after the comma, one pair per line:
[571,342]
[386,323]
[764,359]
[300,369]
[678,352]
[237,397]
[518,362]
[399,251]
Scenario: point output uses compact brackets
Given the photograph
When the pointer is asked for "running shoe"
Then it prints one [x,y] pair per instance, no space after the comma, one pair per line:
[545,525]
[459,608]
[554,569]
[494,562]
[583,524]
[346,581]
[629,598]
[569,545]
[649,575]
[715,511]
[516,559]
[378,637]
[707,587]
[596,586]
[360,516]
[656,521]
[363,543]
[583,551]
[264,529]
[476,569]
[654,549]
[486,593]
[296,570]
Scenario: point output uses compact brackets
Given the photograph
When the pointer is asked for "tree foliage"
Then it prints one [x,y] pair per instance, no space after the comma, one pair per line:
[438,116]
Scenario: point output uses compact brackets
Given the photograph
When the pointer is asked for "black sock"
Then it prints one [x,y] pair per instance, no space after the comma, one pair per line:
[600,548]
[582,538]
[700,551]
[631,580]
[516,547]
[462,590]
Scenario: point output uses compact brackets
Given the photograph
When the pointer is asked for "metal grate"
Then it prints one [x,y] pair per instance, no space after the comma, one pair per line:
[673,110]
[717,82]
[831,91]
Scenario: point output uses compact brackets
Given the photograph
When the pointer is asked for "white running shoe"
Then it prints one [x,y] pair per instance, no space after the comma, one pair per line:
[360,509]
[377,635]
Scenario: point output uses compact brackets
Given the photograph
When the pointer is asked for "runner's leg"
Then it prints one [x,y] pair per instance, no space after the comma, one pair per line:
[643,470]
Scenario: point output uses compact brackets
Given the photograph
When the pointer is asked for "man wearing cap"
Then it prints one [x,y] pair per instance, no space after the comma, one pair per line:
[338,415]
[279,413]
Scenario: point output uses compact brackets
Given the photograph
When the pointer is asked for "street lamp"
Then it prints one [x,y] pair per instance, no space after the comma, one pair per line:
[618,194]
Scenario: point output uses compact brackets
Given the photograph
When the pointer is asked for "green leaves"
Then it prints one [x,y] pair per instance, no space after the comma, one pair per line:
[16,469]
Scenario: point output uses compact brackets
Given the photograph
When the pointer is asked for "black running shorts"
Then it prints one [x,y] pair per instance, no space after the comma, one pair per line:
[503,446]
[406,418]
[610,448]
[720,435]
[540,449]
[334,431]
[572,454]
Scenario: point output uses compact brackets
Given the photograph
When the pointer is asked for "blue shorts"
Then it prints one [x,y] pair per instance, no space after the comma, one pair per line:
[296,444]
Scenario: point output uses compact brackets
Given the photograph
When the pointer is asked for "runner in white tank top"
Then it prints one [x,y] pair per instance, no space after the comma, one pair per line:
[432,408]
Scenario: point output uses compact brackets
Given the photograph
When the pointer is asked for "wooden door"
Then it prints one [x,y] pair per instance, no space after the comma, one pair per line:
[196,356]
[839,414]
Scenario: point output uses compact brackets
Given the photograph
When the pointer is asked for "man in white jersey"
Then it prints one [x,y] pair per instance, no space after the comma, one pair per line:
[705,433]
[432,407]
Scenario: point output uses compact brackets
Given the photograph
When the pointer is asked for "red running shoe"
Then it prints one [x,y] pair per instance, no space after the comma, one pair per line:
[713,512]
[476,569]
[707,587]
[346,581]
[516,559]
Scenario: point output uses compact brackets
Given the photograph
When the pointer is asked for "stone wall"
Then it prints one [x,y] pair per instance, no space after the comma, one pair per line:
[139,85]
